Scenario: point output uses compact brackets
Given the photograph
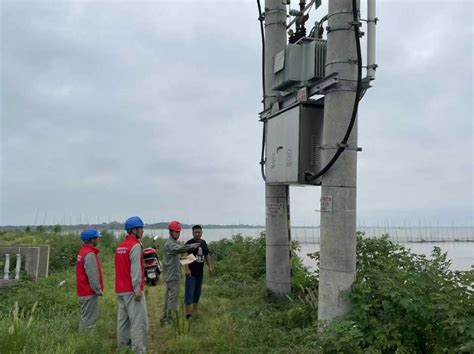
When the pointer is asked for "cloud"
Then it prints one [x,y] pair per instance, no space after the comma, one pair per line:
[117,108]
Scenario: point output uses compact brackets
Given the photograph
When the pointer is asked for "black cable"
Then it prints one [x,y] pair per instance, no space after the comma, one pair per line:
[262,33]
[262,157]
[355,108]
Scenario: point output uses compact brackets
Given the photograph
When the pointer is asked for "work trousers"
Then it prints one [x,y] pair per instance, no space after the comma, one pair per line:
[171,298]
[89,311]
[132,323]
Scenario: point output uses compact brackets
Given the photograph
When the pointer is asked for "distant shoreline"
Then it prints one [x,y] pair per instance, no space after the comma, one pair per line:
[119,226]
[163,225]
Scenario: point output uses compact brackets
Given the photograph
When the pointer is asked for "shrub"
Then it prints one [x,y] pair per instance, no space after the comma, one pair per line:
[240,256]
[402,301]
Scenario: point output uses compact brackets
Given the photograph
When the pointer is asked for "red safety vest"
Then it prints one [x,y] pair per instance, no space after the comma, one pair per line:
[82,282]
[123,275]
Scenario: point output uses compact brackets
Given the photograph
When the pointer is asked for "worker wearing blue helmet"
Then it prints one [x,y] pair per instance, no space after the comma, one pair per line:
[89,282]
[132,316]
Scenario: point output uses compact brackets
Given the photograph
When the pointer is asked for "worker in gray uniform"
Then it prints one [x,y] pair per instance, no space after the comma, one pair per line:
[172,269]
[132,315]
[89,282]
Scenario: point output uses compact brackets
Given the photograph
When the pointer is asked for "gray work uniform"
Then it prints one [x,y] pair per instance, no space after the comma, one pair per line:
[90,304]
[132,316]
[172,274]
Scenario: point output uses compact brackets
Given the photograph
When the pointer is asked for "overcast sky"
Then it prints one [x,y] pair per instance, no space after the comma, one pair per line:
[118,108]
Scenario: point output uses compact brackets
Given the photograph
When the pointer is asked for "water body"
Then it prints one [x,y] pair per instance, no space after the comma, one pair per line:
[461,254]
[452,240]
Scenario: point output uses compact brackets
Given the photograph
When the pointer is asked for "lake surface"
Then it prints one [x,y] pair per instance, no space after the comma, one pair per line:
[453,240]
[461,254]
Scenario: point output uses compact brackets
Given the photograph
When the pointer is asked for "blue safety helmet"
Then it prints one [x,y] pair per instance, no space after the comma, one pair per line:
[133,222]
[89,233]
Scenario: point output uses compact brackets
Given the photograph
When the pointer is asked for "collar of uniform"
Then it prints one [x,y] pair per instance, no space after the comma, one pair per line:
[87,245]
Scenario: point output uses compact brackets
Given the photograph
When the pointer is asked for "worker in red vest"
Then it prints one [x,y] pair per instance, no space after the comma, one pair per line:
[89,283]
[132,316]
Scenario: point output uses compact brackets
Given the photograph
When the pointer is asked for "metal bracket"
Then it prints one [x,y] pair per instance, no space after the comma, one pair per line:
[322,84]
[340,61]
[281,20]
[351,24]
[373,66]
[330,29]
[339,13]
[355,24]
[314,88]
[374,20]
[338,146]
[275,11]
[342,85]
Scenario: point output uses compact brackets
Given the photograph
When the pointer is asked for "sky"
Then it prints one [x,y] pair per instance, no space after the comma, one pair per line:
[117,108]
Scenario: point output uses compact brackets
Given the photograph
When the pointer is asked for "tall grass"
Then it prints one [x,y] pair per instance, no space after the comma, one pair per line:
[401,303]
[15,327]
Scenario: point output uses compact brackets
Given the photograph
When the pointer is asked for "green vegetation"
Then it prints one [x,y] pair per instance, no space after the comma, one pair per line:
[401,303]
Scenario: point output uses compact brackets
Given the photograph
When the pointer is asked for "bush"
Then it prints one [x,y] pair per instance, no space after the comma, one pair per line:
[403,302]
[408,302]
[240,256]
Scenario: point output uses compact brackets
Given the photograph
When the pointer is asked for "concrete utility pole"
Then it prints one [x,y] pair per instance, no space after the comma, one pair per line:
[278,270]
[338,220]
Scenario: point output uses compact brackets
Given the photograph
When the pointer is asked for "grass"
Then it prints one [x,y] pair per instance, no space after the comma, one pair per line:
[402,303]
[228,305]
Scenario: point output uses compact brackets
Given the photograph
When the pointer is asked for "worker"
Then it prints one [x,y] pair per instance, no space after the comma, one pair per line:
[132,315]
[172,269]
[89,282]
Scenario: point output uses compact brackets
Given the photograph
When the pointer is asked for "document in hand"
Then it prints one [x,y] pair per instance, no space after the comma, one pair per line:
[190,258]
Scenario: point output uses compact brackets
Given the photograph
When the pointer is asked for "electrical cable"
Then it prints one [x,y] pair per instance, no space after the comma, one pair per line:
[320,28]
[342,145]
[262,33]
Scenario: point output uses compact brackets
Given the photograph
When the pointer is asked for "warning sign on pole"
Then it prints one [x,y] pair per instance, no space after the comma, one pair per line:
[326,203]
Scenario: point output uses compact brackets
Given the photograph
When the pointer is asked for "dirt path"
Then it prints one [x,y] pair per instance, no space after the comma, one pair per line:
[157,335]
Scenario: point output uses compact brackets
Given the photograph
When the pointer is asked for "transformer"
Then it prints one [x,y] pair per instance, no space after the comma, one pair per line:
[299,64]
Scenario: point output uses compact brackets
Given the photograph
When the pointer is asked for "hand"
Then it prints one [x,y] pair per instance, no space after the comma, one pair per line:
[196,245]
[188,273]
[137,295]
[101,293]
[210,271]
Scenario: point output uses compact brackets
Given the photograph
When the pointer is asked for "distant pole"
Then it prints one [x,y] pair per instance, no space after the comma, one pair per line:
[278,270]
[338,223]
[7,267]
[18,265]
